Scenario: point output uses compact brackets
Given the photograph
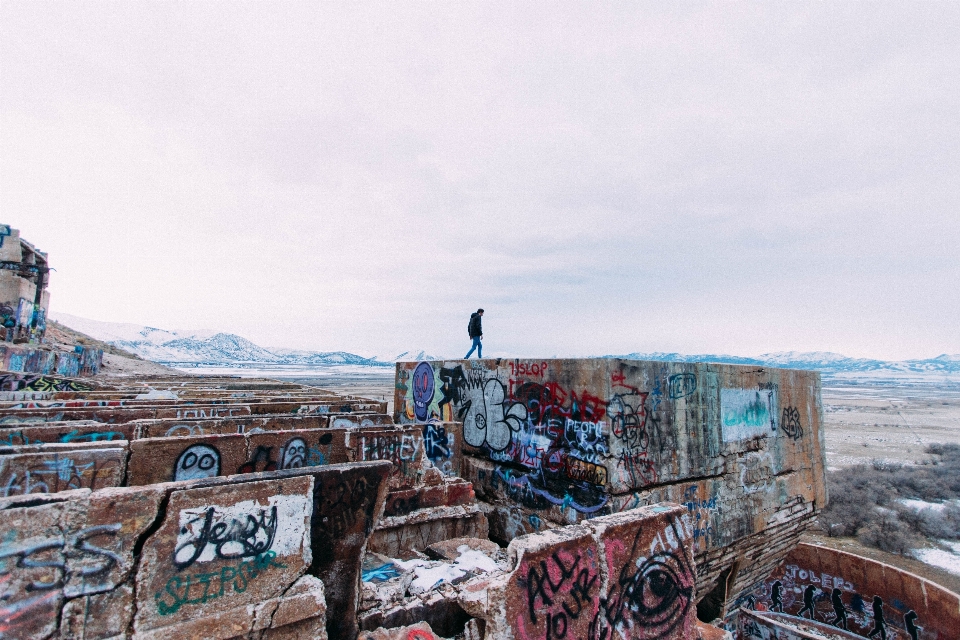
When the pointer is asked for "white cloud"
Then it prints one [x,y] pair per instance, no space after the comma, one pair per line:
[712,177]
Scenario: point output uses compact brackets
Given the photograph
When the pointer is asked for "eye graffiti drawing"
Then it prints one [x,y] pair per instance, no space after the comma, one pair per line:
[197,461]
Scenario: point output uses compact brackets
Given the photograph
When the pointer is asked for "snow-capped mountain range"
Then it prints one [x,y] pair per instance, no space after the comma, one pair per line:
[210,348]
[187,347]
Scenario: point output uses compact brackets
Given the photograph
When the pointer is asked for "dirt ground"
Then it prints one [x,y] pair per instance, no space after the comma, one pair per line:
[376,387]
[891,423]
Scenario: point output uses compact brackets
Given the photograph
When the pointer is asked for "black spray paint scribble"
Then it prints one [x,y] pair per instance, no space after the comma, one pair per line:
[231,537]
[790,423]
[559,604]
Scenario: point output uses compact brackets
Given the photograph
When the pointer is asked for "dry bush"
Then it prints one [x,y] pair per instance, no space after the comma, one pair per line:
[864,501]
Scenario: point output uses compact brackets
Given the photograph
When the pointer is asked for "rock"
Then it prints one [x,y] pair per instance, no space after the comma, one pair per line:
[451,549]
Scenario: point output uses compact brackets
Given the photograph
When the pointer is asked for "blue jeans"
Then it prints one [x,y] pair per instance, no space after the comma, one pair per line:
[476,345]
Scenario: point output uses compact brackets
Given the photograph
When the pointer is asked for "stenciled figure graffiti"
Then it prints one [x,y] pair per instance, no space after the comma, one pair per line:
[475,331]
[776,597]
[839,610]
[879,625]
[808,601]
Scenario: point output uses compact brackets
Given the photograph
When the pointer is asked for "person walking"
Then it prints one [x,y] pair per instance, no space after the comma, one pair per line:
[475,331]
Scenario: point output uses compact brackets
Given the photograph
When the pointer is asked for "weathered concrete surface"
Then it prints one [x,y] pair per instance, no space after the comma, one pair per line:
[628,575]
[223,558]
[155,460]
[402,536]
[559,441]
[216,558]
[410,448]
[74,551]
[752,625]
[79,431]
[63,468]
[46,361]
[348,501]
[117,415]
[816,574]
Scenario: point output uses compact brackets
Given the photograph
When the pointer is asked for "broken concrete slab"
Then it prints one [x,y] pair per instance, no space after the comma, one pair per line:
[223,558]
[196,557]
[628,575]
[452,548]
[70,467]
[400,536]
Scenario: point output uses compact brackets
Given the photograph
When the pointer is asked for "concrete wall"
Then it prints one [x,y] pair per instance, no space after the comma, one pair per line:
[813,574]
[84,361]
[550,442]
[273,555]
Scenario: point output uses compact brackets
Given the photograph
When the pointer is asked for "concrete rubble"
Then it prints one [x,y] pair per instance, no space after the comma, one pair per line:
[593,499]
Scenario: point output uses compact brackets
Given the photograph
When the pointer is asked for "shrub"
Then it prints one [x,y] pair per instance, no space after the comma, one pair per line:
[864,501]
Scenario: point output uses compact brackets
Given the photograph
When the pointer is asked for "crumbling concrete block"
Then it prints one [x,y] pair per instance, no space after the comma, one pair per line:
[830,586]
[628,575]
[223,559]
[244,557]
[399,536]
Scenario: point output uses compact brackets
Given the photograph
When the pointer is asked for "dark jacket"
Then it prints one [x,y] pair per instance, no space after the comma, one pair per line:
[474,329]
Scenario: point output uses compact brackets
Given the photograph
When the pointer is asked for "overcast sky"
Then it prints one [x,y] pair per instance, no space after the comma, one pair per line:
[704,178]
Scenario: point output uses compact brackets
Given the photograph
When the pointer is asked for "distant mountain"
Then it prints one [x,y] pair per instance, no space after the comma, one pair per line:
[182,347]
[203,348]
[419,356]
[823,361]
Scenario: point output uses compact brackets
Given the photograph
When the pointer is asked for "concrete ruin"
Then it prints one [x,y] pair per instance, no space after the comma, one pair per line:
[24,298]
[554,442]
[595,499]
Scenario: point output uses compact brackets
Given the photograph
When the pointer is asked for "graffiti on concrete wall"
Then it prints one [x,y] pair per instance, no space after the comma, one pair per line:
[241,531]
[880,610]
[790,423]
[554,445]
[37,573]
[746,413]
[31,382]
[52,473]
[197,461]
[652,594]
[439,446]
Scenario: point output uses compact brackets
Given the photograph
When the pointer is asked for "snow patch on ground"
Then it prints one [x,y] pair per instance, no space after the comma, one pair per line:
[430,574]
[949,561]
[920,505]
